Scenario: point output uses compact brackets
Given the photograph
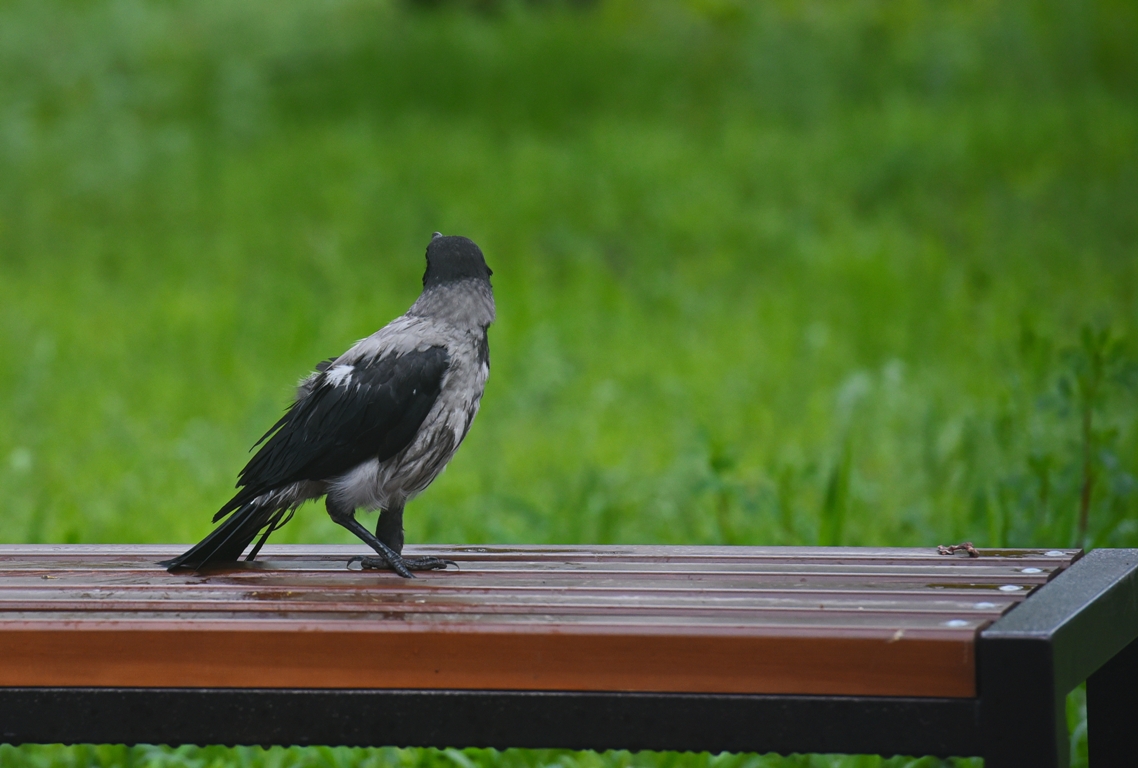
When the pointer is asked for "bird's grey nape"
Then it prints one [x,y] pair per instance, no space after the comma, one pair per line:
[436,235]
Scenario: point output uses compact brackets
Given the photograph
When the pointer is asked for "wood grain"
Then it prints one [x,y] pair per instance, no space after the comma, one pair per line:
[285,658]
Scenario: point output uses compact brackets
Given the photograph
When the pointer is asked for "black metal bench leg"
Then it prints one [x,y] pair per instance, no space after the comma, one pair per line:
[1027,732]
[1023,718]
[1112,711]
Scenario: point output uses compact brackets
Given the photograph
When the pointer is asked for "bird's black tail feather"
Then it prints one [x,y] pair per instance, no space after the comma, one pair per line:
[229,540]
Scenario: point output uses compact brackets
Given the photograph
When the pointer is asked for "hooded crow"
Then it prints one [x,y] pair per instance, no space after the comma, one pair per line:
[373,427]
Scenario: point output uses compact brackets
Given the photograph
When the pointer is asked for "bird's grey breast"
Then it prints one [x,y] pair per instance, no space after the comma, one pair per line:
[448,421]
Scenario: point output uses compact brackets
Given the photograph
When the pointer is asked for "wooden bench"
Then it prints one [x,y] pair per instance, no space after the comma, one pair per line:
[672,648]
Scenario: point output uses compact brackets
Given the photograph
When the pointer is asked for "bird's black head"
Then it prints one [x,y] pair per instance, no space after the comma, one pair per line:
[454,258]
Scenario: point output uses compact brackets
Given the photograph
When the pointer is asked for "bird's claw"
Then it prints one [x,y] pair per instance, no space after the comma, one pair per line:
[429,564]
[401,566]
[379,563]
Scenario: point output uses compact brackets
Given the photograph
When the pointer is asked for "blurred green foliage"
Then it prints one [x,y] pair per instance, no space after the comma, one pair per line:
[775,273]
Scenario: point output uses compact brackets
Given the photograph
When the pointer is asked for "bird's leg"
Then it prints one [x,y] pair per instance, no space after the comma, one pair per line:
[389,530]
[346,516]
[389,527]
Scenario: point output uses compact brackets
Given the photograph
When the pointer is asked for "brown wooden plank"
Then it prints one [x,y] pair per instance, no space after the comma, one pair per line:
[700,587]
[271,561]
[270,598]
[599,582]
[813,624]
[568,554]
[501,661]
[944,573]
[535,551]
[685,589]
[438,583]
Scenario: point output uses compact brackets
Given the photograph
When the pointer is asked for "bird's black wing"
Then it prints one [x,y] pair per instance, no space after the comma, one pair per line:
[371,411]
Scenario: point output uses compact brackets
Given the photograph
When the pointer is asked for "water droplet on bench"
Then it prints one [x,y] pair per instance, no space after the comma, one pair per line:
[1011,588]
[956,623]
[1032,570]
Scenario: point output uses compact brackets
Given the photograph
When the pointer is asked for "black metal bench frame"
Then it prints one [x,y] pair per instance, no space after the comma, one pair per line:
[1083,625]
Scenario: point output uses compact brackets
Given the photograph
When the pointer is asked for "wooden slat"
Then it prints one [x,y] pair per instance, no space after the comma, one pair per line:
[485,660]
[333,556]
[898,622]
[208,598]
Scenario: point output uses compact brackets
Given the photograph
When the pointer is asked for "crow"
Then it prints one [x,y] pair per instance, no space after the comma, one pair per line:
[372,428]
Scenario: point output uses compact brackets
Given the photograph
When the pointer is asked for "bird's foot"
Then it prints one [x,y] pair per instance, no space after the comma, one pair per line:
[402,566]
[965,547]
[380,563]
[428,564]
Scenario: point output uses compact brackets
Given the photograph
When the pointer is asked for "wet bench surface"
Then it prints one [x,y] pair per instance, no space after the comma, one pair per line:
[899,622]
[755,623]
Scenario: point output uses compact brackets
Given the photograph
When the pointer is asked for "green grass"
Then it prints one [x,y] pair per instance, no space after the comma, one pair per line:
[794,273]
